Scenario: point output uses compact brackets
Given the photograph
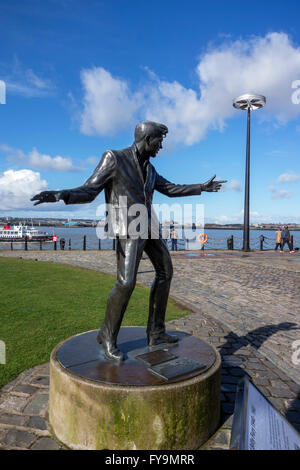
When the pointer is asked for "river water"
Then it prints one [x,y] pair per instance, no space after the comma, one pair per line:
[217,239]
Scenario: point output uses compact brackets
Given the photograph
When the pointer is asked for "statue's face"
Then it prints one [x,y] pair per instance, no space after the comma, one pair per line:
[153,145]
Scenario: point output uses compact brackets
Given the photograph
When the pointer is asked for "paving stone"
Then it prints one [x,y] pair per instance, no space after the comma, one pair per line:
[261,381]
[45,443]
[43,369]
[19,438]
[222,438]
[41,380]
[277,403]
[13,419]
[10,385]
[24,388]
[13,403]
[281,393]
[37,405]
[3,433]
[36,422]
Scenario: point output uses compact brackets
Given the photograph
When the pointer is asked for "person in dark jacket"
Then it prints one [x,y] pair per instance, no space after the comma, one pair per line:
[286,238]
[128,173]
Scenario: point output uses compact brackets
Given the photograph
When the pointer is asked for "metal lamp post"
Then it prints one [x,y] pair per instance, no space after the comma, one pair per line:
[250,103]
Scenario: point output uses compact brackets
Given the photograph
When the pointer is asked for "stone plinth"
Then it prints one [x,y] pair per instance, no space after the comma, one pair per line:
[97,404]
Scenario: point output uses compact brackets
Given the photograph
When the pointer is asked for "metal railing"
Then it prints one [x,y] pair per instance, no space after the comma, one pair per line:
[260,243]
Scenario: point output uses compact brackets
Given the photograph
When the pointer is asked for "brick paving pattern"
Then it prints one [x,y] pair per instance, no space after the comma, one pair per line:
[246,306]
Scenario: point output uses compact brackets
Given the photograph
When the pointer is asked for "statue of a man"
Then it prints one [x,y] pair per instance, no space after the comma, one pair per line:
[129,173]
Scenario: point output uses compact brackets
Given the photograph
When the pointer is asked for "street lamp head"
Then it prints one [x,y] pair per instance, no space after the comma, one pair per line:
[249,101]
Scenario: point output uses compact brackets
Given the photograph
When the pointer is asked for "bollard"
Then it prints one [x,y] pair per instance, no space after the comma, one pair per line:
[230,243]
[84,242]
[26,243]
[99,246]
[11,246]
[261,238]
[69,243]
[41,245]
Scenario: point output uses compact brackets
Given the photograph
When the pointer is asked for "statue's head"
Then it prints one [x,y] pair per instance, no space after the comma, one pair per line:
[148,137]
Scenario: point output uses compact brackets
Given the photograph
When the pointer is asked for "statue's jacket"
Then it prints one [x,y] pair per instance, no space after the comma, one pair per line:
[120,175]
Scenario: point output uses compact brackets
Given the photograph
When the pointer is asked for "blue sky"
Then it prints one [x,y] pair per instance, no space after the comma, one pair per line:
[80,75]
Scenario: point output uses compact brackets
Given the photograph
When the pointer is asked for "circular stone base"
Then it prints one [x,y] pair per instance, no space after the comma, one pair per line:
[162,397]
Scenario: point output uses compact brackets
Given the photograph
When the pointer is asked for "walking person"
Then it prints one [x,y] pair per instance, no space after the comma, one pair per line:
[174,237]
[278,239]
[286,238]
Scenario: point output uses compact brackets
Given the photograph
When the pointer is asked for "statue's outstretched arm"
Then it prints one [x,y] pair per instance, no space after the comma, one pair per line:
[175,190]
[88,191]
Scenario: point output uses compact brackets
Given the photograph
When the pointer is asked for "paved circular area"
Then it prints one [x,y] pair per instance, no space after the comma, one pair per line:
[248,307]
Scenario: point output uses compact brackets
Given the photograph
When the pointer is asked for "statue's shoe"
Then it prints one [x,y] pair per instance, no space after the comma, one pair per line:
[112,353]
[161,338]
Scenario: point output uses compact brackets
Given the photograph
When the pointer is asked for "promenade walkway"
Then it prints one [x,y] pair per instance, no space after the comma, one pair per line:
[247,305]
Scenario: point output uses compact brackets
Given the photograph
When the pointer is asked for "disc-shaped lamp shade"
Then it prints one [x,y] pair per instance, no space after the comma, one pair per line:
[249,101]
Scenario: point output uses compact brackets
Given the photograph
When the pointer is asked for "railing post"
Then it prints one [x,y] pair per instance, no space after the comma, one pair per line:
[84,242]
[187,243]
[11,246]
[26,243]
[292,242]
[99,246]
[41,245]
[261,242]
[114,244]
[69,243]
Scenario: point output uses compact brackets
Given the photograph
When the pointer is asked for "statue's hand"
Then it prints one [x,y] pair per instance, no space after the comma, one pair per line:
[46,196]
[212,186]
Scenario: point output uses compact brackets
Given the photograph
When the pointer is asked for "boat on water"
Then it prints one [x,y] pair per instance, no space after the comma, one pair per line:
[19,233]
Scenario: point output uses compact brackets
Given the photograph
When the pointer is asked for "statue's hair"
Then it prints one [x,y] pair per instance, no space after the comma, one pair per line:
[149,128]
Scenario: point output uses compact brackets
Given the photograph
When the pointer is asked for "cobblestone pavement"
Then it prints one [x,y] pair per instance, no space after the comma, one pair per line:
[246,306]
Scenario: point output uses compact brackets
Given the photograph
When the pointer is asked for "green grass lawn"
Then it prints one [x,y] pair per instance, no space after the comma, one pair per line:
[42,304]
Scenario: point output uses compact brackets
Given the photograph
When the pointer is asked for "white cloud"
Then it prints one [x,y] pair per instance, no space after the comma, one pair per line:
[108,103]
[46,162]
[17,187]
[232,185]
[39,160]
[266,65]
[25,82]
[287,178]
[280,193]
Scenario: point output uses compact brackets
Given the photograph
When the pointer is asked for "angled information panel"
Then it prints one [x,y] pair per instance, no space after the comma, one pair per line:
[257,425]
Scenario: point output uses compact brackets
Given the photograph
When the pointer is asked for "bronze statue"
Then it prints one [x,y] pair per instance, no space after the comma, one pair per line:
[129,173]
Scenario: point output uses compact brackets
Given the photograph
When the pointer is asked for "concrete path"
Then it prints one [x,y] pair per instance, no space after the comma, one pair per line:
[247,306]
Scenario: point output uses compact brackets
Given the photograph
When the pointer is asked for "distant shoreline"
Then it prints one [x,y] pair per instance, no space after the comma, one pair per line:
[93,224]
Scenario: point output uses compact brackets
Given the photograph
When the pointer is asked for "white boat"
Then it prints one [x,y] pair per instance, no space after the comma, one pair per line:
[19,233]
